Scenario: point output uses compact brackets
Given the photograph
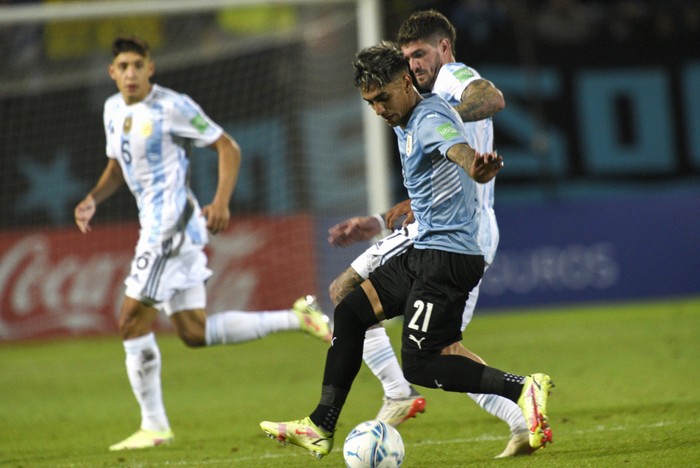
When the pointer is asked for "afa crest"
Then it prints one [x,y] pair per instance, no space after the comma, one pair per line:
[127,125]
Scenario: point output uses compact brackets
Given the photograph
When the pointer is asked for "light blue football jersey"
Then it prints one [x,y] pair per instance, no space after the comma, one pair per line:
[150,140]
[443,196]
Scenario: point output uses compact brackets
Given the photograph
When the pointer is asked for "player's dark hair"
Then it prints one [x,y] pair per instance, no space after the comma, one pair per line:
[130,44]
[378,65]
[428,25]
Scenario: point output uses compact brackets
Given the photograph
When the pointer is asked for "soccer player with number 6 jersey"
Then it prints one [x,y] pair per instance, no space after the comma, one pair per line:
[149,129]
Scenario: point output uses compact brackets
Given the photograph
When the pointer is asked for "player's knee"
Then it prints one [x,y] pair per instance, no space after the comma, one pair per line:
[191,327]
[414,370]
[192,338]
[354,314]
[334,291]
[132,326]
[341,286]
[421,370]
[191,332]
[125,332]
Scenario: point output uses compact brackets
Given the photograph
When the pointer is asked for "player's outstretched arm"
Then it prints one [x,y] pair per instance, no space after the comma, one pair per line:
[355,229]
[363,228]
[480,167]
[108,183]
[217,212]
[480,100]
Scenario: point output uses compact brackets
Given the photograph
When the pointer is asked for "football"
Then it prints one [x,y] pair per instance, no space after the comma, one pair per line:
[373,444]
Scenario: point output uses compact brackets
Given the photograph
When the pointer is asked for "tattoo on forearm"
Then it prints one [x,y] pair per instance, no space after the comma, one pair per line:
[462,155]
[479,101]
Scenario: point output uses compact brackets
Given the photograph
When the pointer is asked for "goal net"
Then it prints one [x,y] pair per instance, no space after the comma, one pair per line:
[276,75]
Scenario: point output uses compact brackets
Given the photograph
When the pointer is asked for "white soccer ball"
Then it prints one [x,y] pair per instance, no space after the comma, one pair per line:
[373,444]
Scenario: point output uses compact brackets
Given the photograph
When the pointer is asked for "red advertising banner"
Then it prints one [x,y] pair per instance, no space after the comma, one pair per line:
[58,283]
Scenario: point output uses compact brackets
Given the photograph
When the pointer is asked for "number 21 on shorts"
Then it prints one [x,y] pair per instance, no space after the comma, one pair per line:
[420,321]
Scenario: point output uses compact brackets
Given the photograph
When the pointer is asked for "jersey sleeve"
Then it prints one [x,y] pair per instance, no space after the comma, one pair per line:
[453,79]
[107,122]
[438,132]
[190,121]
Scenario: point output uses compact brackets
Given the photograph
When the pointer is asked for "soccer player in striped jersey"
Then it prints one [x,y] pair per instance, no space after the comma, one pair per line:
[427,40]
[149,129]
[430,282]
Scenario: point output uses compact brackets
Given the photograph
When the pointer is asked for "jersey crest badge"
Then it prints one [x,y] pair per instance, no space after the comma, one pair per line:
[146,129]
[127,125]
[409,144]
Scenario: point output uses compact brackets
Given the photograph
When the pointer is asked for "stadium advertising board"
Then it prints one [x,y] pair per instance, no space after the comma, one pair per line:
[575,252]
[57,283]
[629,248]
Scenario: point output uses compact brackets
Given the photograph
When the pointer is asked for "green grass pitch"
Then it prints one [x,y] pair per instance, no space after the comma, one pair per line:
[627,394]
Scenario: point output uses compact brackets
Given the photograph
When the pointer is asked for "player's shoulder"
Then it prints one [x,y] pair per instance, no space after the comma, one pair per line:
[432,104]
[433,112]
[111,100]
[171,98]
[163,94]
[459,72]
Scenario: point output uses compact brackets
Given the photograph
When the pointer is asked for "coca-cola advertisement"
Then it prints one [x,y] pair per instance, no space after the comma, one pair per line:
[59,282]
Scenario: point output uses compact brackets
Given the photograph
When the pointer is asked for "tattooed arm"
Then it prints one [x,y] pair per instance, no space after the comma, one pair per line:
[480,167]
[480,100]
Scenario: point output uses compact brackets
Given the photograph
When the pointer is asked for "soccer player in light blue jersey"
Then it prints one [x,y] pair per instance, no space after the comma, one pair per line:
[148,129]
[429,283]
[427,40]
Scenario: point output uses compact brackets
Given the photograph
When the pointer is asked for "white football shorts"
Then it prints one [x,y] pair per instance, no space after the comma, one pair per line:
[169,276]
[394,244]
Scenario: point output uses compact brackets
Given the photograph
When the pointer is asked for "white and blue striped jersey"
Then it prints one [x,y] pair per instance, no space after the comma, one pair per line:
[443,196]
[451,81]
[150,140]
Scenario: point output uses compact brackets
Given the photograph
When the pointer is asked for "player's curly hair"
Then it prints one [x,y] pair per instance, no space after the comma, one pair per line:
[130,44]
[378,65]
[429,26]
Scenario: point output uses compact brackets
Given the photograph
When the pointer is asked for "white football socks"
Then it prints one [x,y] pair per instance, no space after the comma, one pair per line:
[503,408]
[236,326]
[143,368]
[381,360]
